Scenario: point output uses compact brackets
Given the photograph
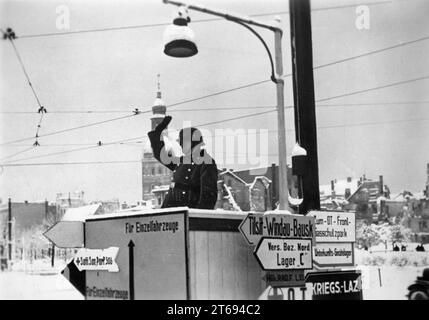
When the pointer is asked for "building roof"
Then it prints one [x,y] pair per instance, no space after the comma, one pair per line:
[231,199]
[234,175]
[80,213]
[340,187]
[264,180]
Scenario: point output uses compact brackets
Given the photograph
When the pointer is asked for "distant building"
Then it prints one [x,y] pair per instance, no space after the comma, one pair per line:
[154,173]
[357,195]
[70,200]
[26,215]
[159,193]
[108,206]
[83,212]
[252,189]
[271,173]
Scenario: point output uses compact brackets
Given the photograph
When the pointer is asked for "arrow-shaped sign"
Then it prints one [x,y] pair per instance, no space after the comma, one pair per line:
[258,225]
[97,259]
[131,246]
[284,254]
[66,234]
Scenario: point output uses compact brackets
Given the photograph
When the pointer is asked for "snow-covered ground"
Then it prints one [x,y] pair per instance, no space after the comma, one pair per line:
[22,286]
[384,281]
[387,282]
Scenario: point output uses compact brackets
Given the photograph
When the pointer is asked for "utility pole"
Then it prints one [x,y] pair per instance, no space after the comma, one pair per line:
[9,224]
[281,128]
[303,98]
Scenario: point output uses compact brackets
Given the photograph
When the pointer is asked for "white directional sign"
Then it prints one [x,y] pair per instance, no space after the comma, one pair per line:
[66,234]
[284,254]
[334,226]
[97,259]
[258,225]
[333,254]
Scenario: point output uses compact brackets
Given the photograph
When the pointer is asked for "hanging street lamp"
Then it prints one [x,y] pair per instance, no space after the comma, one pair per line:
[179,42]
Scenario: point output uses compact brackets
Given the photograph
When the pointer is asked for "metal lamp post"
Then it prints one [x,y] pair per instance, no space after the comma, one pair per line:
[178,46]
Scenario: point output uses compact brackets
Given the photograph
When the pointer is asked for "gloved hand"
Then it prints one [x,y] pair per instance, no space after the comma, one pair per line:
[160,127]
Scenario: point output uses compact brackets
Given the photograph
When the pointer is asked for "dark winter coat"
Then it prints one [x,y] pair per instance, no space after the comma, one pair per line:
[194,181]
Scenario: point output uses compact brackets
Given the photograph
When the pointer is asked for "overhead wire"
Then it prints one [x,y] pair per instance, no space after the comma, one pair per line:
[242,86]
[163,24]
[225,120]
[10,35]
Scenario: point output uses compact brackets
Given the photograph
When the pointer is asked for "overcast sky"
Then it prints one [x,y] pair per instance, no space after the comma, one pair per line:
[116,70]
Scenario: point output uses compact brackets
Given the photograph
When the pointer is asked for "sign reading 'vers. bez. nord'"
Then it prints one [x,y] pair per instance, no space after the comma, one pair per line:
[258,225]
[284,254]
[151,256]
[334,226]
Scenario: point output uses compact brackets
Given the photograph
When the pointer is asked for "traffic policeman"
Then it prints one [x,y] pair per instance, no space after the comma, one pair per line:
[195,174]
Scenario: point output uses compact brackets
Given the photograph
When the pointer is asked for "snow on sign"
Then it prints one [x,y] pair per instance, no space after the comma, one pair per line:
[97,259]
[334,226]
[331,254]
[258,225]
[284,254]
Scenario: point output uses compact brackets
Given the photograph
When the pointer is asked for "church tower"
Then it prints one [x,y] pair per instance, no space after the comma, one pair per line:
[158,108]
[154,173]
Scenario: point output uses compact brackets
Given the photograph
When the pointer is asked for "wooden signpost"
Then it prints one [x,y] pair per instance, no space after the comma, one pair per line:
[283,243]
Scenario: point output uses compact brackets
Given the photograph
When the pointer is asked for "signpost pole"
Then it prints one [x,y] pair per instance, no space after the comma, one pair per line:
[9,224]
[53,256]
[131,268]
[304,104]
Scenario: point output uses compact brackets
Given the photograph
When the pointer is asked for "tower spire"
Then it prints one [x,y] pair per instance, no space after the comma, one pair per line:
[158,108]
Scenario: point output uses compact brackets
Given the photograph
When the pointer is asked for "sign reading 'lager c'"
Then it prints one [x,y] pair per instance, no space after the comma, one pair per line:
[284,254]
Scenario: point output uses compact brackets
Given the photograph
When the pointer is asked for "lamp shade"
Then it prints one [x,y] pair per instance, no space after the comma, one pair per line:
[179,40]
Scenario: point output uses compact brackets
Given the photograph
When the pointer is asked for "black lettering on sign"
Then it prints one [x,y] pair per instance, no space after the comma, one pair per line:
[152,226]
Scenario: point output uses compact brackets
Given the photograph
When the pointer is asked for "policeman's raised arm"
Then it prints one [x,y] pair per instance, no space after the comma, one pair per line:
[158,146]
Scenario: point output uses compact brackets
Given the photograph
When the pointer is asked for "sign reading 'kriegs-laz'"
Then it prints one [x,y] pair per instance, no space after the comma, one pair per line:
[334,226]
